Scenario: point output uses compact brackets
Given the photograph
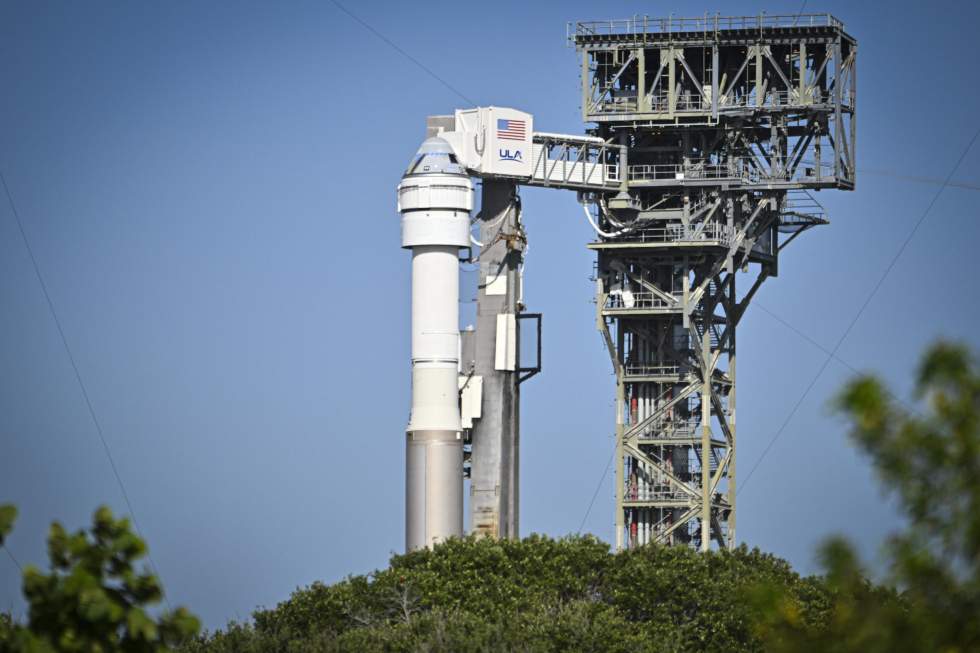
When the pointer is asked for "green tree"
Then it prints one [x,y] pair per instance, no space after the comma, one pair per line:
[931,463]
[538,594]
[94,600]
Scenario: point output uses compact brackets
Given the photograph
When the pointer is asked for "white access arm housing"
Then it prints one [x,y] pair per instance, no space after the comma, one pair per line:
[493,141]
[501,142]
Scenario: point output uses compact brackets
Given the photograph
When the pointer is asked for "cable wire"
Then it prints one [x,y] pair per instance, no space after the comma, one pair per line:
[12,558]
[602,479]
[919,180]
[816,344]
[857,316]
[397,49]
[78,375]
[800,12]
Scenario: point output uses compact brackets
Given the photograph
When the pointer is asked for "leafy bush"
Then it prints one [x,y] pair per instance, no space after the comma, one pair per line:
[94,600]
[538,594]
[931,462]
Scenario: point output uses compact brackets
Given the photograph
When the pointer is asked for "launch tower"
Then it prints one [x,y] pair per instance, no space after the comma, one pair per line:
[727,125]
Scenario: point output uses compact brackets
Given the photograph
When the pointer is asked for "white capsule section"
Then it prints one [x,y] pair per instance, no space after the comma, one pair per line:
[435,198]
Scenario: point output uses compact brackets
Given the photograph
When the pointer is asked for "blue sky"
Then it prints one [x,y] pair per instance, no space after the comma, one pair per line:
[209,192]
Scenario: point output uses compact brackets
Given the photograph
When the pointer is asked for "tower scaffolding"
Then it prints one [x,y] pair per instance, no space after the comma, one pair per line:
[725,125]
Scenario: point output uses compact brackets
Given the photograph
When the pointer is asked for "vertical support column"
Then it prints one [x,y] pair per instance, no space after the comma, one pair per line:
[759,91]
[624,164]
[817,160]
[852,121]
[838,94]
[803,74]
[715,91]
[706,368]
[776,152]
[732,490]
[494,470]
[620,461]
[641,80]
[615,354]
[686,296]
[586,86]
[671,80]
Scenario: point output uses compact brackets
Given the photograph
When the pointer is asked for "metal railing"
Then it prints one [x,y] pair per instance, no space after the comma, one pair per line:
[773,98]
[800,210]
[802,203]
[563,161]
[634,369]
[659,493]
[671,429]
[733,170]
[703,232]
[809,170]
[679,434]
[741,169]
[702,24]
[628,300]
[691,101]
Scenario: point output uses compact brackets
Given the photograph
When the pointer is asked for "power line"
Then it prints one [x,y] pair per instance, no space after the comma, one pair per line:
[857,316]
[12,558]
[805,337]
[800,12]
[598,487]
[78,375]
[918,180]
[816,344]
[402,52]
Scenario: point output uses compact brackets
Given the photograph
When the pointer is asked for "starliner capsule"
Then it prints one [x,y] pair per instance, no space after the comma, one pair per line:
[435,198]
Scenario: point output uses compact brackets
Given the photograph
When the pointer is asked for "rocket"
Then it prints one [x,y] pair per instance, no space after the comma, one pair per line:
[435,199]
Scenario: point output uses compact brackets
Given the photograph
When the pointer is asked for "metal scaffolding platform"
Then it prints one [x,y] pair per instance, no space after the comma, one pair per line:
[723,125]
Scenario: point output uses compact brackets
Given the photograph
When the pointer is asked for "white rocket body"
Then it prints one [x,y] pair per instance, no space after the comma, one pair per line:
[435,198]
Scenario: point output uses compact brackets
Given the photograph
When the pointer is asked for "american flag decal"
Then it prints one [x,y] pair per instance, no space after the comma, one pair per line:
[514,130]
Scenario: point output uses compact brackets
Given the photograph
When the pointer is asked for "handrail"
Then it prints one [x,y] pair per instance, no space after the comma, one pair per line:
[568,159]
[735,169]
[679,233]
[635,369]
[744,169]
[639,300]
[703,24]
[693,102]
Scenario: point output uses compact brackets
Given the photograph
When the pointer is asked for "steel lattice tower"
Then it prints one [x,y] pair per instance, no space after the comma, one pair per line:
[727,124]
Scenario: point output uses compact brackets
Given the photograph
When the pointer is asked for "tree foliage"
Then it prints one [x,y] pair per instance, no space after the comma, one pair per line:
[94,600]
[538,594]
[931,463]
